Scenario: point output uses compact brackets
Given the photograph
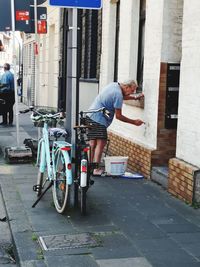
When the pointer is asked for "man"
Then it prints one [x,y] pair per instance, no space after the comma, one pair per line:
[111,97]
[7,93]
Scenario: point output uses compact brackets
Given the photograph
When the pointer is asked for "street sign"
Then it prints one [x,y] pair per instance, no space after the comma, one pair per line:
[41,20]
[22,12]
[41,26]
[5,15]
[22,15]
[84,4]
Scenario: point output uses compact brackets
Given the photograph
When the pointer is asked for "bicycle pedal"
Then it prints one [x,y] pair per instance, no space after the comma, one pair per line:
[36,188]
[94,165]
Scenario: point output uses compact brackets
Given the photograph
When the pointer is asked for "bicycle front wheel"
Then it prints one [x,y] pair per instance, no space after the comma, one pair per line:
[60,187]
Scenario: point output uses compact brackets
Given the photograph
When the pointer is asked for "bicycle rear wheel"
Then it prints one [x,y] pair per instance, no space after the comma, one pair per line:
[83,200]
[60,189]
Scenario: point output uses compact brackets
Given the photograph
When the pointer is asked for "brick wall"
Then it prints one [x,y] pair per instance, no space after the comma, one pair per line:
[166,138]
[139,156]
[181,179]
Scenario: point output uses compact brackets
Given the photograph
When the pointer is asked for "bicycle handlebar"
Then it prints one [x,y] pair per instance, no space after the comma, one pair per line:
[42,116]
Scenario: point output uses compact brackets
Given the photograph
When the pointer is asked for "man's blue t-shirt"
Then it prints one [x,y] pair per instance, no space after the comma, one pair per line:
[111,98]
[7,79]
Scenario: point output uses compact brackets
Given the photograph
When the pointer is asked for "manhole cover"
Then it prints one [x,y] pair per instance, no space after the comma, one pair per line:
[53,242]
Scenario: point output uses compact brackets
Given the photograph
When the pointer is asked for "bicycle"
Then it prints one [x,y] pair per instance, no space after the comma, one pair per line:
[83,165]
[55,160]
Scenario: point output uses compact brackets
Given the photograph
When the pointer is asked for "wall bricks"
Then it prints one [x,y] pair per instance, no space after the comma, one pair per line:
[181,179]
[139,156]
[166,138]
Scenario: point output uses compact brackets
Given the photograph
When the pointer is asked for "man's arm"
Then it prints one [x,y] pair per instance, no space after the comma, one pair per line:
[132,97]
[119,116]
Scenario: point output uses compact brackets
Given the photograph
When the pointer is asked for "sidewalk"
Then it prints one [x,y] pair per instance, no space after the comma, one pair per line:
[130,223]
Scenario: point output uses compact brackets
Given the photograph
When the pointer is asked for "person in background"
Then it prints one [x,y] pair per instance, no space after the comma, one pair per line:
[8,94]
[111,97]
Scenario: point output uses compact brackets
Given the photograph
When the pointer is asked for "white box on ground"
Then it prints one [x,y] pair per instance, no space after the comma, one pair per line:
[115,165]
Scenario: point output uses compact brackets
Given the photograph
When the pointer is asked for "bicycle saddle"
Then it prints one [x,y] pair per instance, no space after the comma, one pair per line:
[58,132]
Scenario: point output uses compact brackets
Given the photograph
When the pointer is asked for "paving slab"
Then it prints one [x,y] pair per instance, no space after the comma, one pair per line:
[129,262]
[136,222]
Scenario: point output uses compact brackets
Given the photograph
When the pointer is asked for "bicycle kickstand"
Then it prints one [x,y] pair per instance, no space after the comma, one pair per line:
[39,198]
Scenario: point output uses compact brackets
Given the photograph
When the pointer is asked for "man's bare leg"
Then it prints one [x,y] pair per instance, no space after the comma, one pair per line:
[98,153]
[93,144]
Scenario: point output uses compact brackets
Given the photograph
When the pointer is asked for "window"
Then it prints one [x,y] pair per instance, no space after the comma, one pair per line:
[141,43]
[90,25]
[117,42]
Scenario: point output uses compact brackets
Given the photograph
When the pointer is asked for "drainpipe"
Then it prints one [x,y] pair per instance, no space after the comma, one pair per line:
[196,188]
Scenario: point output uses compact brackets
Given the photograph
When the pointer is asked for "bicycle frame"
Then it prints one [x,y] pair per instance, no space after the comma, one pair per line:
[47,161]
[45,153]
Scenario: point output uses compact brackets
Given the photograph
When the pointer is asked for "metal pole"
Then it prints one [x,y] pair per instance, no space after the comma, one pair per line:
[71,74]
[15,72]
[36,57]
[74,71]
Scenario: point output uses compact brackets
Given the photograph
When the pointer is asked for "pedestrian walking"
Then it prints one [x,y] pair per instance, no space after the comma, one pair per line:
[111,97]
[7,93]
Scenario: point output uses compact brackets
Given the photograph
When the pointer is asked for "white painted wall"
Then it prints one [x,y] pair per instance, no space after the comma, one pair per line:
[188,133]
[47,93]
[172,31]
[128,46]
[108,43]
[128,39]
[88,91]
[6,56]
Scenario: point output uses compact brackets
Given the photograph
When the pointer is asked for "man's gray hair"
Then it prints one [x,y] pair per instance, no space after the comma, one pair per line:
[129,83]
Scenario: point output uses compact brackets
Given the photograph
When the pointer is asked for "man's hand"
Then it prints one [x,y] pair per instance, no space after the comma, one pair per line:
[140,96]
[138,122]
[134,97]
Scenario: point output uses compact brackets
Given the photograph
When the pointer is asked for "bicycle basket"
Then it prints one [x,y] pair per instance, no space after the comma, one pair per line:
[51,123]
[44,111]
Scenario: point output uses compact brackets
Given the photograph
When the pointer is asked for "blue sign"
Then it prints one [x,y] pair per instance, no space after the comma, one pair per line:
[84,4]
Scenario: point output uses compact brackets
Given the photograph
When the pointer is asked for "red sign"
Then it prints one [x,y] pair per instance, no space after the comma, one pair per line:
[41,26]
[35,47]
[22,15]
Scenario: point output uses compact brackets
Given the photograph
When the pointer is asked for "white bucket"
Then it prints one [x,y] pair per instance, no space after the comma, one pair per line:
[115,165]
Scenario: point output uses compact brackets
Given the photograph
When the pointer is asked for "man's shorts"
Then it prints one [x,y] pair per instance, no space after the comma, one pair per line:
[97,130]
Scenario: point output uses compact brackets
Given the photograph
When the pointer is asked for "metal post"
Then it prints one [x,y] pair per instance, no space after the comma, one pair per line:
[74,71]
[36,57]
[71,92]
[15,72]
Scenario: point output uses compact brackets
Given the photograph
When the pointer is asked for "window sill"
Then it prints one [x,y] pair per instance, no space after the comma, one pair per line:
[135,103]
[88,80]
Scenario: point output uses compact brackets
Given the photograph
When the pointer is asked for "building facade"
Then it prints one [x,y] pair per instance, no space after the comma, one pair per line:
[41,63]
[157,44]
[6,54]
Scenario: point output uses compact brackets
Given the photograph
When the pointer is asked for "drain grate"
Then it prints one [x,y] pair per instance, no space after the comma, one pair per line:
[53,242]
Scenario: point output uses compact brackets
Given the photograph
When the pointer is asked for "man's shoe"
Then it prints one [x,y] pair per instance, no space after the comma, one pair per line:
[3,123]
